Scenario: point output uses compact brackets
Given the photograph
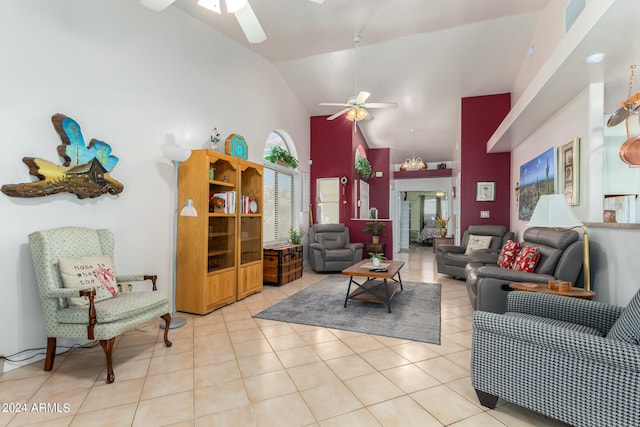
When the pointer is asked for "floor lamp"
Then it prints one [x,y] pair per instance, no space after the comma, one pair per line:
[177,155]
[553,211]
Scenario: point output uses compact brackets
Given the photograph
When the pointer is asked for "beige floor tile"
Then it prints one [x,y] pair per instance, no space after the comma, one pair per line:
[169,383]
[332,349]
[350,366]
[330,400]
[384,358]
[241,325]
[373,388]
[110,417]
[49,422]
[244,335]
[260,364]
[311,375]
[464,388]
[130,353]
[297,356]
[21,389]
[516,416]
[216,373]
[236,417]
[403,412]
[82,378]
[64,403]
[363,343]
[445,404]
[358,418]
[461,358]
[415,351]
[165,410]
[171,363]
[410,378]
[252,348]
[443,369]
[317,336]
[220,397]
[269,385]
[285,342]
[209,329]
[483,419]
[109,395]
[126,370]
[277,329]
[284,411]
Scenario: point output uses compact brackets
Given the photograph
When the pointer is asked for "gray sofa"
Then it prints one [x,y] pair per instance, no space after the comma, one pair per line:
[330,248]
[561,258]
[451,259]
[574,360]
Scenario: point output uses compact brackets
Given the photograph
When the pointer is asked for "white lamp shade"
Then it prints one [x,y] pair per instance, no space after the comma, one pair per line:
[188,209]
[553,210]
[175,153]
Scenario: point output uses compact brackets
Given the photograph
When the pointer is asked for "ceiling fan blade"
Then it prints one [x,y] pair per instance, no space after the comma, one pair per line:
[338,114]
[250,25]
[336,104]
[157,5]
[362,97]
[380,105]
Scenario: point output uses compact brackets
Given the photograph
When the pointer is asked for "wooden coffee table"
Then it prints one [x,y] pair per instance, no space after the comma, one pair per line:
[379,286]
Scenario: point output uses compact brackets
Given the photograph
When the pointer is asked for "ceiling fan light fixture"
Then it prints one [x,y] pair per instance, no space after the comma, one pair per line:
[235,5]
[357,114]
[212,5]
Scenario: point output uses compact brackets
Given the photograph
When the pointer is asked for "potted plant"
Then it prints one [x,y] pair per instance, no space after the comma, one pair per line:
[282,157]
[376,258]
[363,167]
[375,228]
[295,236]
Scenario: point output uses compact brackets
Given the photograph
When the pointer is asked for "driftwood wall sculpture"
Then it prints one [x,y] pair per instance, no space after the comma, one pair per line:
[85,171]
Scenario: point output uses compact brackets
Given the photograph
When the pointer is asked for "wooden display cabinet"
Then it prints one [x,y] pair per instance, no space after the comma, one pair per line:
[217,260]
[250,270]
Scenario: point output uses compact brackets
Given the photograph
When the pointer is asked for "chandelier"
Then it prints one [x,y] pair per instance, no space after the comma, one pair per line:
[414,163]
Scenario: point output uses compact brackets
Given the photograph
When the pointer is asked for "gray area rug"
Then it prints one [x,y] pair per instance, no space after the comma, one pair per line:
[415,311]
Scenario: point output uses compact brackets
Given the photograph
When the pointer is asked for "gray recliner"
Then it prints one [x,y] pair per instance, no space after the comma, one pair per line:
[451,259]
[561,258]
[330,249]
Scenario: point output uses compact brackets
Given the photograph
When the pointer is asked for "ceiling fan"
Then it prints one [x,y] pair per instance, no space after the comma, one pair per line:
[240,8]
[356,106]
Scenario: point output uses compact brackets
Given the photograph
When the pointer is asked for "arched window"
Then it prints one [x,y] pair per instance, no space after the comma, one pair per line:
[280,189]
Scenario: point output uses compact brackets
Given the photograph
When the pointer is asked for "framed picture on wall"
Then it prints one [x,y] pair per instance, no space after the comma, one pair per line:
[537,177]
[569,171]
[485,191]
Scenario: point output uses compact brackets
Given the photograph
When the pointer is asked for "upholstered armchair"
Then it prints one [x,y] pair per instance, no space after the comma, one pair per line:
[574,360]
[561,258]
[330,249]
[452,259]
[68,255]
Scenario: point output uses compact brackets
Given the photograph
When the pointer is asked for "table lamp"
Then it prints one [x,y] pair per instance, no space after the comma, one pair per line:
[553,211]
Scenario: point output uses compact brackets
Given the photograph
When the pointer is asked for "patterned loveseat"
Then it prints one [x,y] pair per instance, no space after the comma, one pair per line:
[574,360]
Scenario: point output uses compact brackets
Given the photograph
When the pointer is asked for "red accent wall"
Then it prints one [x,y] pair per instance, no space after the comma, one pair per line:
[481,116]
[333,145]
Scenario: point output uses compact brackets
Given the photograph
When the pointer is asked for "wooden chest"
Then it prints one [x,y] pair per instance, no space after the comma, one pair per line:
[282,263]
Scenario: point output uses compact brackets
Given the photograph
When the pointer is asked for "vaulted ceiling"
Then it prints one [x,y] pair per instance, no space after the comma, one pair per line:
[424,55]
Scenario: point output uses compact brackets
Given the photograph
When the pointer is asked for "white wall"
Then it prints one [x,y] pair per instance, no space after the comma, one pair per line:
[614,271]
[132,78]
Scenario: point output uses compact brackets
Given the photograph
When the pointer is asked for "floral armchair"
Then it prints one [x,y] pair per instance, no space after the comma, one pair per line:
[94,318]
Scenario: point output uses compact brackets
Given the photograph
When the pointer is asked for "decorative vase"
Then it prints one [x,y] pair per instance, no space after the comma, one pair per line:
[443,231]
[375,261]
[375,239]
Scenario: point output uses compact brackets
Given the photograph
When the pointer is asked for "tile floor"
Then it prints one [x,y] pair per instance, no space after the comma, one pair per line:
[229,369]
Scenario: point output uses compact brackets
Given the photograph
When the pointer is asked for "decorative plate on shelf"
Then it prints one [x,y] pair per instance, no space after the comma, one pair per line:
[236,146]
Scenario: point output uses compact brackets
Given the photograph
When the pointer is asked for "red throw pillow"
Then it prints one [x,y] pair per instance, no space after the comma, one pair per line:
[527,259]
[508,254]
